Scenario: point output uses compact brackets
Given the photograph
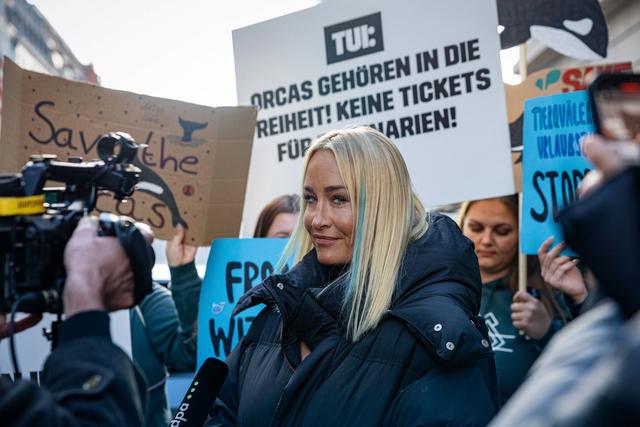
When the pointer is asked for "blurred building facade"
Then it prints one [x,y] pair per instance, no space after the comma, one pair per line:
[27,38]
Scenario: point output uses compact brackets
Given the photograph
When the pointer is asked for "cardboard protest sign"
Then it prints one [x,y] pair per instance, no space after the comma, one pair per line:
[1,80]
[554,164]
[547,82]
[428,76]
[194,165]
[32,348]
[234,267]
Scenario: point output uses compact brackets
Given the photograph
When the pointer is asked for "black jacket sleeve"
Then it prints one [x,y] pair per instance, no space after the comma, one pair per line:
[455,396]
[86,381]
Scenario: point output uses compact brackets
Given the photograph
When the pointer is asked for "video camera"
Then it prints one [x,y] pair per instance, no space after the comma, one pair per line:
[36,222]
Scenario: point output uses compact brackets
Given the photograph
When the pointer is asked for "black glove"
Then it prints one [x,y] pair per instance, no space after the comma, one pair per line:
[287,289]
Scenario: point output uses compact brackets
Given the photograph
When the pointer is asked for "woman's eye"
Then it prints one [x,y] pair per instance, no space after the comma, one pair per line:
[339,200]
[503,231]
[308,198]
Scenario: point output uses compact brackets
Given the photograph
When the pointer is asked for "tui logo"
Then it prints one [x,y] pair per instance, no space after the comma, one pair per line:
[353,38]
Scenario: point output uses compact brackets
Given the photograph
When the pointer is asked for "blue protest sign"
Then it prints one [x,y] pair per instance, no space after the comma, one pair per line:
[234,267]
[553,163]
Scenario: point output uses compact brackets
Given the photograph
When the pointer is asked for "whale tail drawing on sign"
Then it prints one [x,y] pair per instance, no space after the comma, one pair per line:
[151,183]
[188,127]
[575,28]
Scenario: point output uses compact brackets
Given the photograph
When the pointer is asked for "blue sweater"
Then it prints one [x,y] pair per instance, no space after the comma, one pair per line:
[514,353]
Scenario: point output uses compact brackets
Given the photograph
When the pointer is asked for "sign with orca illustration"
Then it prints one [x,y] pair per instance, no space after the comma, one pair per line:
[554,164]
[422,74]
[574,28]
[194,161]
[234,267]
[547,82]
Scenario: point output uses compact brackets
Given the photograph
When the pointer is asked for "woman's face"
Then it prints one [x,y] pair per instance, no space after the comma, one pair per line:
[327,217]
[282,225]
[494,231]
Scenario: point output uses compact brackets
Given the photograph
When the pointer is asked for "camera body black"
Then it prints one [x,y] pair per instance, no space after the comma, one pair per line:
[36,222]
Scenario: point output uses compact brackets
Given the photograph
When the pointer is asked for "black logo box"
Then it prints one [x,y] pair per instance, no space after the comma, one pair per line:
[374,42]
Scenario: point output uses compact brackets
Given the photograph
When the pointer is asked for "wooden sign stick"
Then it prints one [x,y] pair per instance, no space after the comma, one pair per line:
[522,258]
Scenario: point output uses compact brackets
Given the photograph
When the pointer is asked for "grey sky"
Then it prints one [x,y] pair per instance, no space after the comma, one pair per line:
[172,49]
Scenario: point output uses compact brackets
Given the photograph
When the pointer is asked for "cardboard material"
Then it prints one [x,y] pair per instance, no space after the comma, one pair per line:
[194,168]
[547,82]
[421,74]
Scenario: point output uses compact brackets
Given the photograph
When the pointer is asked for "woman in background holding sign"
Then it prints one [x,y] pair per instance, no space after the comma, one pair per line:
[520,323]
[376,323]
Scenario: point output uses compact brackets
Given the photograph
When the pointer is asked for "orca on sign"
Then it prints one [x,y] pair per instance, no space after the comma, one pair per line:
[353,38]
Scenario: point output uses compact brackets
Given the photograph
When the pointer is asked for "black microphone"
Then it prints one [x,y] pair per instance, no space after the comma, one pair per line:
[202,392]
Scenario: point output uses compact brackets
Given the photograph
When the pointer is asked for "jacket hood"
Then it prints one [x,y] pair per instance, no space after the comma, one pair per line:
[438,293]
[442,254]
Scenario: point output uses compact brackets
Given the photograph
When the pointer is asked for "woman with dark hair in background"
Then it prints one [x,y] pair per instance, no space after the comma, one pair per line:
[520,323]
[278,217]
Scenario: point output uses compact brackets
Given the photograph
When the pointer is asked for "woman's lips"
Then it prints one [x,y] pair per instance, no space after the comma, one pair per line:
[323,240]
[485,253]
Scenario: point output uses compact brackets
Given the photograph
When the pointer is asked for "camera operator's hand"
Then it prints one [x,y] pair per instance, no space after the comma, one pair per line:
[177,252]
[99,275]
[21,325]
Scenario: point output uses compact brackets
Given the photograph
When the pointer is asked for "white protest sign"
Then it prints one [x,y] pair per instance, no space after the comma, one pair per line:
[425,73]
[32,348]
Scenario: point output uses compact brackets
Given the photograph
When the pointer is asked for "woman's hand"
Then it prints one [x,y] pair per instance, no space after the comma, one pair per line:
[561,271]
[529,315]
[177,252]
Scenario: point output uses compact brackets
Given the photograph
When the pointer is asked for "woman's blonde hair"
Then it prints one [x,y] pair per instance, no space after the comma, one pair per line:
[387,216]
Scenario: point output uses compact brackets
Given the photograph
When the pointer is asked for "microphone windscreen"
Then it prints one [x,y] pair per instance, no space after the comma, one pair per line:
[201,394]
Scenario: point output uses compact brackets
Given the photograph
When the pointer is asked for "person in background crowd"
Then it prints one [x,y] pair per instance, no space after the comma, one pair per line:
[278,217]
[520,323]
[376,322]
[589,373]
[163,327]
[87,380]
